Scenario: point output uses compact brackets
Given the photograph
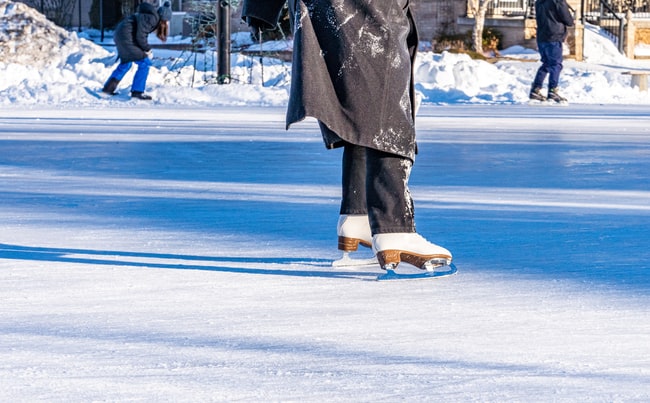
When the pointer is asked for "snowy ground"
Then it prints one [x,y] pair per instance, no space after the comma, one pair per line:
[161,254]
[41,64]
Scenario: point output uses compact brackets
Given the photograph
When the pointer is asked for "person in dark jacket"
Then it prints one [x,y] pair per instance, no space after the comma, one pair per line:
[131,40]
[553,19]
[353,71]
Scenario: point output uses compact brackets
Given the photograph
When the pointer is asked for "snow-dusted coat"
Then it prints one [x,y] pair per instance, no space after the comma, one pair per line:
[352,69]
[132,32]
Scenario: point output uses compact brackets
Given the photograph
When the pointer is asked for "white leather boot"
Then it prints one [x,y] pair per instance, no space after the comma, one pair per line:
[412,248]
[352,231]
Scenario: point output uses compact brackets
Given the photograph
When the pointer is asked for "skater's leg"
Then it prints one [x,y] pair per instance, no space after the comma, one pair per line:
[120,71]
[353,227]
[353,180]
[389,201]
[554,63]
[543,70]
[140,77]
[110,86]
[390,208]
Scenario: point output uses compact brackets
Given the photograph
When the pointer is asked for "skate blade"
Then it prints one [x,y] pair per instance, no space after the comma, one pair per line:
[440,271]
[534,102]
[433,264]
[347,261]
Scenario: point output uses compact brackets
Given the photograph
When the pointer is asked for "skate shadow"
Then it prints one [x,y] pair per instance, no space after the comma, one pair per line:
[278,266]
[93,93]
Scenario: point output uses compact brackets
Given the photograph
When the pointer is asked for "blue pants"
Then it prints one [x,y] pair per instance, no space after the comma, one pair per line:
[140,78]
[551,53]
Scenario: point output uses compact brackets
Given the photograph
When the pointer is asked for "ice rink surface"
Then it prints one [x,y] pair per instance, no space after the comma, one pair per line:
[180,254]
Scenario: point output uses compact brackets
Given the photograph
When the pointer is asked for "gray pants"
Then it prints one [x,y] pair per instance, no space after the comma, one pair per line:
[376,183]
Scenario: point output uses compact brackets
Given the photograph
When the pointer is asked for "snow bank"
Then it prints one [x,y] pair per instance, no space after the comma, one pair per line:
[41,63]
[29,39]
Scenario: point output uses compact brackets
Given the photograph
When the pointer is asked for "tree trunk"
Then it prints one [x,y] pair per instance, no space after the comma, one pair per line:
[479,9]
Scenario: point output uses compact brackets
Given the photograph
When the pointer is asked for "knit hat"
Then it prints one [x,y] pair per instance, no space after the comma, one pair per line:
[165,11]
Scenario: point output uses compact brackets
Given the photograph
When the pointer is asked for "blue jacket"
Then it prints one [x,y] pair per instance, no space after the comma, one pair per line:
[553,17]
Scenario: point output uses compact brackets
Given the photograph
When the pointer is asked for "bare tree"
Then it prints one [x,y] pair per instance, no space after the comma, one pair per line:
[478,8]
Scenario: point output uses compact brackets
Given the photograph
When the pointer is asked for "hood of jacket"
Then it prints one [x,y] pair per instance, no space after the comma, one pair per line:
[147,17]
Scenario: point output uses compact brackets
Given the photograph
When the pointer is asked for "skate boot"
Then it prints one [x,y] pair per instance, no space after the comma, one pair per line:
[140,95]
[553,95]
[536,95]
[111,86]
[412,248]
[352,231]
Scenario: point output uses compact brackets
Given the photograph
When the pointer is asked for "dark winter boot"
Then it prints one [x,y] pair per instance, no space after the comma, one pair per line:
[140,95]
[536,95]
[111,86]
[553,95]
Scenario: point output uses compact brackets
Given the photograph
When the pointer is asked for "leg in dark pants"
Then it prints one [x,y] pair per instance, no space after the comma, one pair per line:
[353,180]
[390,206]
[376,183]
[551,56]
[353,228]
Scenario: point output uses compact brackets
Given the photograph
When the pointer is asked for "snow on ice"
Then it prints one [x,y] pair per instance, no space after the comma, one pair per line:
[181,250]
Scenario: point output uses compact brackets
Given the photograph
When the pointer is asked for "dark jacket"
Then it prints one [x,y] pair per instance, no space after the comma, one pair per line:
[352,69]
[553,17]
[131,34]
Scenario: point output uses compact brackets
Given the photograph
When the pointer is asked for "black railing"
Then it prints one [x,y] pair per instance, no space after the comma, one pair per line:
[640,8]
[609,15]
[511,8]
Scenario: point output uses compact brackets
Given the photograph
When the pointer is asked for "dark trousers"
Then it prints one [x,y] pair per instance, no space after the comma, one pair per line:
[551,54]
[376,183]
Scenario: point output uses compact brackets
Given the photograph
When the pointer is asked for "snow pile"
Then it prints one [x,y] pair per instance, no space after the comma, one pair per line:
[456,78]
[28,38]
[601,49]
[41,62]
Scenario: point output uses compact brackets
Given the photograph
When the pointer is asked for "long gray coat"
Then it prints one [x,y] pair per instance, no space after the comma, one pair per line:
[352,69]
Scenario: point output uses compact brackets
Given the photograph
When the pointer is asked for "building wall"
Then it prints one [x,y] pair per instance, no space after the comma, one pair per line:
[435,17]
[431,17]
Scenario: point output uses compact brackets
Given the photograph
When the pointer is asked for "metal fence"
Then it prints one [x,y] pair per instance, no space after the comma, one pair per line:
[610,15]
[511,8]
[640,8]
[57,11]
[526,8]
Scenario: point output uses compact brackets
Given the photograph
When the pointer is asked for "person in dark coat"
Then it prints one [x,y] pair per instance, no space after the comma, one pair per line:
[131,40]
[553,20]
[353,71]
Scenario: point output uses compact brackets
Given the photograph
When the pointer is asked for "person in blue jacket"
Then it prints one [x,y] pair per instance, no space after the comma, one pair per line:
[553,20]
[131,40]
